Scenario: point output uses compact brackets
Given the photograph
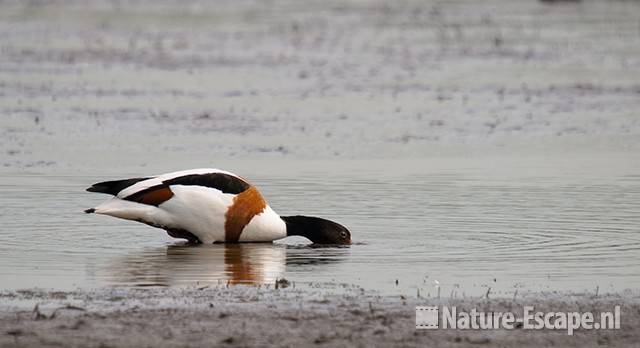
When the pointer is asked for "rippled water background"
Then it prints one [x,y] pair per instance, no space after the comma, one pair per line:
[530,224]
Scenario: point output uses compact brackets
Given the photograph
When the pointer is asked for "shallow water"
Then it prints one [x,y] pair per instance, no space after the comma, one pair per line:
[465,224]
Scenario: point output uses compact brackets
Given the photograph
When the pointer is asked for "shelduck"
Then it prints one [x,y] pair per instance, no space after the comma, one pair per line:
[209,206]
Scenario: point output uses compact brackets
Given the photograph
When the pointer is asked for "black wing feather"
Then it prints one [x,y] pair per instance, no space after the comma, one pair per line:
[115,186]
[223,182]
[220,181]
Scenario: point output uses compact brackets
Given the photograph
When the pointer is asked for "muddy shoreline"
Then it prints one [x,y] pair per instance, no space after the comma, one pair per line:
[106,85]
[248,316]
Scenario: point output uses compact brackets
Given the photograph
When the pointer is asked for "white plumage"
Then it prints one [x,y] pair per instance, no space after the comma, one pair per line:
[199,201]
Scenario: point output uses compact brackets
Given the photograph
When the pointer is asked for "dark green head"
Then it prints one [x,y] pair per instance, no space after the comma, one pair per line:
[317,230]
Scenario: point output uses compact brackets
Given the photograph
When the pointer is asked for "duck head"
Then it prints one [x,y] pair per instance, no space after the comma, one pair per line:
[317,230]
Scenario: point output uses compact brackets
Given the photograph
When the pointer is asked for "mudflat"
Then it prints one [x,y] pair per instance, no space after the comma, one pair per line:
[241,316]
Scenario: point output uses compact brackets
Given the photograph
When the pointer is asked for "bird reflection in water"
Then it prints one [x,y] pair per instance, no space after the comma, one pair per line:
[187,264]
[253,264]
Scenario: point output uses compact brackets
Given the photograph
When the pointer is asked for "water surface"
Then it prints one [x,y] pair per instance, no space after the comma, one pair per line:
[463,225]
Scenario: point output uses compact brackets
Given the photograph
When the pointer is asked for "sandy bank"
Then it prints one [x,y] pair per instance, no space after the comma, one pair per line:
[250,316]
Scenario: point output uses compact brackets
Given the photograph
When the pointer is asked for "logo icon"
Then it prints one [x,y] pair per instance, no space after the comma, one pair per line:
[427,317]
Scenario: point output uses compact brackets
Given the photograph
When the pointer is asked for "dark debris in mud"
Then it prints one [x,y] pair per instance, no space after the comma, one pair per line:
[408,78]
[252,316]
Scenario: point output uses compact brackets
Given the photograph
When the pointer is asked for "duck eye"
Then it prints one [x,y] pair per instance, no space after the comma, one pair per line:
[343,235]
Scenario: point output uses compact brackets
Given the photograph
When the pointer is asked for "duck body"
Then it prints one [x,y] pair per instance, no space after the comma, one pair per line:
[208,206]
[201,205]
